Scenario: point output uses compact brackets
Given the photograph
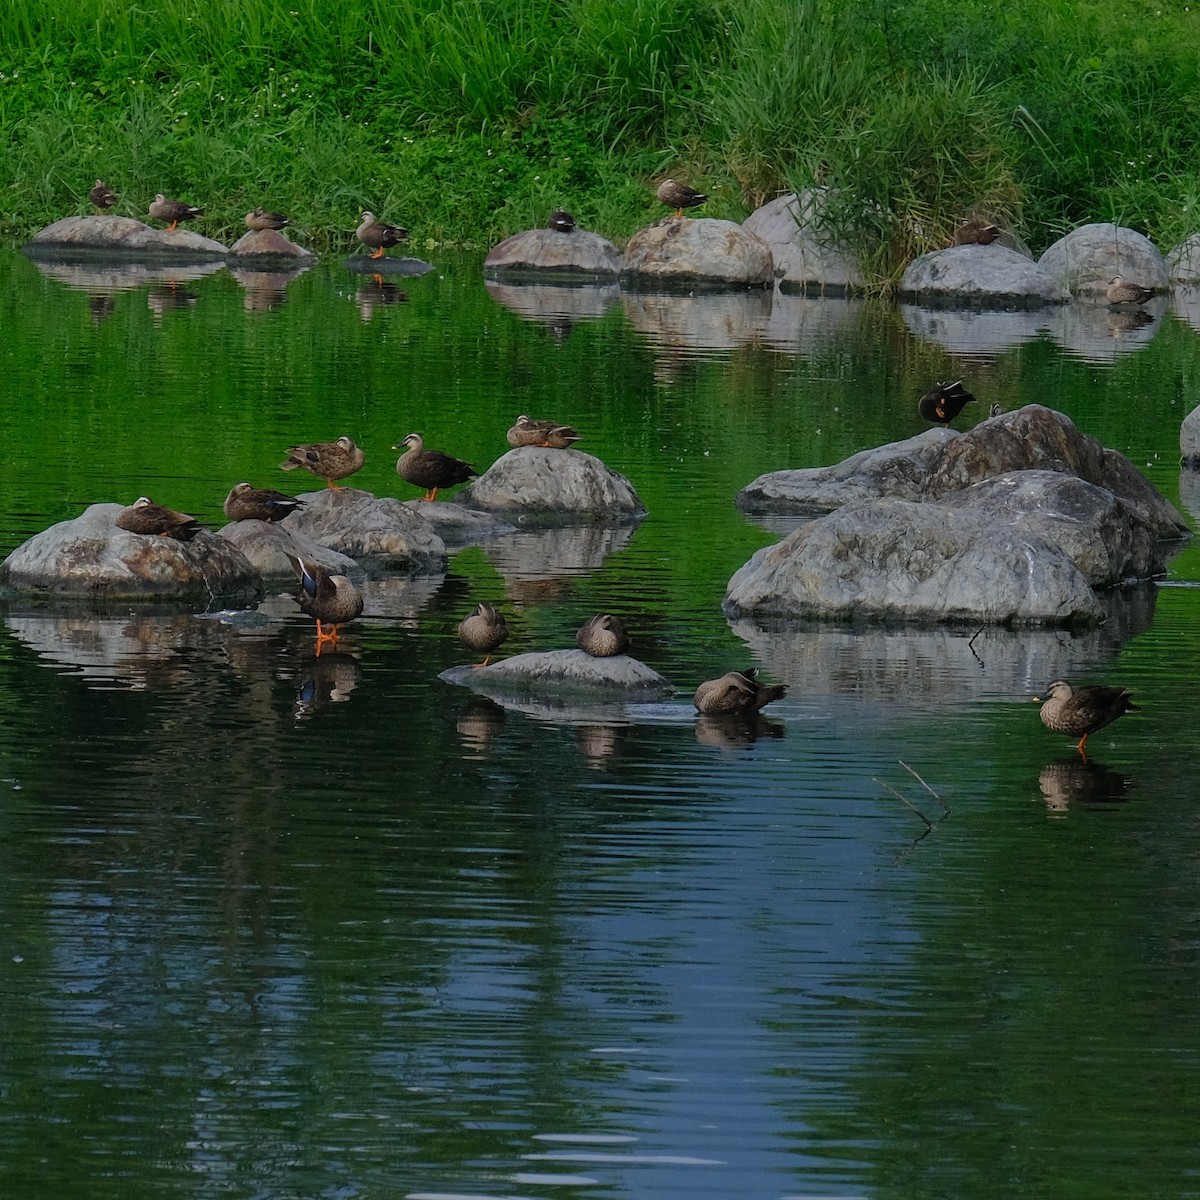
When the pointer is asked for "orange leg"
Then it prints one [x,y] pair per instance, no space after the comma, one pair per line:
[485,662]
[333,487]
[1081,744]
[430,495]
[323,636]
[679,212]
[172,227]
[379,253]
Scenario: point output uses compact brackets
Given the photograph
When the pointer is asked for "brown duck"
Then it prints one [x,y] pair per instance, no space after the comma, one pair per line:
[102,196]
[1121,291]
[258,218]
[679,196]
[562,220]
[484,630]
[1080,712]
[379,235]
[528,432]
[602,636]
[943,402]
[248,503]
[430,469]
[173,211]
[975,231]
[329,599]
[144,516]
[326,460]
[736,692]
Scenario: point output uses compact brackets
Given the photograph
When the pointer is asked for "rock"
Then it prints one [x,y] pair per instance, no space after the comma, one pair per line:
[564,671]
[1087,258]
[121,235]
[267,243]
[1189,438]
[1183,262]
[807,255]
[364,264]
[458,525]
[554,485]
[267,546]
[539,251]
[361,525]
[90,557]
[984,276]
[682,252]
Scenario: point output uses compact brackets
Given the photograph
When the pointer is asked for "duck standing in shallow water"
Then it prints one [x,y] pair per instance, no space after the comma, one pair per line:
[430,469]
[258,219]
[173,211]
[102,196]
[485,630]
[326,460]
[943,402]
[248,503]
[379,235]
[1120,291]
[679,196]
[144,516]
[1080,712]
[329,599]
[736,692]
[603,636]
[528,432]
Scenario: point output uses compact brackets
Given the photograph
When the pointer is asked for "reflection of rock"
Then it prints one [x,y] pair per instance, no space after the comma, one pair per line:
[104,278]
[540,554]
[1189,490]
[400,598]
[118,236]
[599,743]
[1099,334]
[555,305]
[687,252]
[478,724]
[1087,258]
[800,324]
[267,244]
[982,333]
[458,525]
[988,276]
[169,297]
[563,671]
[806,252]
[364,264]
[1077,780]
[267,546]
[1185,303]
[323,679]
[377,293]
[1189,438]
[265,291]
[707,321]
[735,731]
[539,251]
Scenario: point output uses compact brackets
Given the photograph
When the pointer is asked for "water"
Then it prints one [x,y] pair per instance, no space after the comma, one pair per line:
[273,926]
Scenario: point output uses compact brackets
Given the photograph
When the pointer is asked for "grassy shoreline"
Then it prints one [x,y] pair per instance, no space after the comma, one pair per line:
[466,120]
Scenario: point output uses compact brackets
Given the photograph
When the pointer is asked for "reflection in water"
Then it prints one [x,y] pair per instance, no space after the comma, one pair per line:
[1096,333]
[377,292]
[265,291]
[1185,304]
[539,564]
[983,333]
[323,679]
[102,279]
[735,731]
[557,307]
[169,297]
[1189,491]
[701,321]
[101,307]
[400,598]
[599,743]
[478,724]
[1077,780]
[802,324]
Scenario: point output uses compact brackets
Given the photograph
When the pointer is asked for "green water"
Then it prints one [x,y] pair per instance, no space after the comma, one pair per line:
[273,926]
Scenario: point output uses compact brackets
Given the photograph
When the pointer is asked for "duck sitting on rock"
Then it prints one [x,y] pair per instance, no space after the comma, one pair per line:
[679,196]
[528,432]
[943,402]
[258,219]
[430,469]
[173,211]
[379,235]
[146,517]
[736,692]
[102,196]
[248,503]
[1080,712]
[562,221]
[326,460]
[329,599]
[602,636]
[975,231]
[485,630]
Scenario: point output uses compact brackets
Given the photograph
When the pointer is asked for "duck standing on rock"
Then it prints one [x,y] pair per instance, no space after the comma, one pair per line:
[736,692]
[943,402]
[603,636]
[1080,712]
[679,196]
[484,630]
[173,211]
[528,432]
[430,469]
[1120,291]
[562,220]
[248,503]
[329,599]
[379,235]
[326,460]
[258,219]
[102,196]
[144,516]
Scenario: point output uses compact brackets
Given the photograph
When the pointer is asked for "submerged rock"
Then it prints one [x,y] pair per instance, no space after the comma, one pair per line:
[564,670]
[537,251]
[687,252]
[984,276]
[1087,258]
[121,235]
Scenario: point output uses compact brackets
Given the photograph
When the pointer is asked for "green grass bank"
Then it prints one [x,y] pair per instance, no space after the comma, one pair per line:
[469,119]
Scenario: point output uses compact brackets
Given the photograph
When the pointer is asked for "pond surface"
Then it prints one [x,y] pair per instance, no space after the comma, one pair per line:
[274,926]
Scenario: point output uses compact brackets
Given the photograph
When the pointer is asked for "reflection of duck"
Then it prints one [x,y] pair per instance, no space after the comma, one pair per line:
[258,218]
[562,220]
[1080,712]
[484,630]
[329,599]
[735,730]
[737,692]
[102,196]
[975,231]
[248,503]
[1121,291]
[479,723]
[169,297]
[943,402]
[325,679]
[326,460]
[528,432]
[602,636]
[679,196]
[430,469]
[599,743]
[173,211]
[146,517]
[1078,780]
[376,293]
[379,235]
[101,307]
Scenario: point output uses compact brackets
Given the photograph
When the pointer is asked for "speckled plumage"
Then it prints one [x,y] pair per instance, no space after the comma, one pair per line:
[736,692]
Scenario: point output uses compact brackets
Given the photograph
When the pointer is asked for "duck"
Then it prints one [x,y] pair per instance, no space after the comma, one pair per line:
[326,460]
[430,469]
[528,432]
[943,402]
[146,517]
[1120,291]
[102,196]
[259,218]
[602,636]
[562,220]
[1080,712]
[173,211]
[329,599]
[378,234]
[679,196]
[736,692]
[484,630]
[248,503]
[975,231]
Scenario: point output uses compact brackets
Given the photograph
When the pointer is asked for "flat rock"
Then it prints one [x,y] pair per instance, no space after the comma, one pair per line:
[458,525]
[533,482]
[267,243]
[984,276]
[266,547]
[90,557]
[1189,438]
[807,255]
[364,264]
[563,670]
[682,252]
[536,251]
[1087,258]
[363,526]
[121,235]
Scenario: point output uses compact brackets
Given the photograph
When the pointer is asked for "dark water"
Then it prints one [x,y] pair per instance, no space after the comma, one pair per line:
[273,926]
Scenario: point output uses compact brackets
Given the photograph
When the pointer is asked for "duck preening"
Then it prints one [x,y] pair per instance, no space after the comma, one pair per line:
[102,196]
[379,235]
[1080,712]
[736,692]
[430,469]
[679,196]
[144,516]
[528,432]
[485,630]
[326,460]
[248,503]
[330,600]
[943,402]
[602,636]
[173,211]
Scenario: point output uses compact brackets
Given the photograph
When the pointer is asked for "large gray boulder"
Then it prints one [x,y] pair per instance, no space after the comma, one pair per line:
[267,244]
[985,276]
[551,486]
[564,671]
[539,251]
[266,547]
[90,557]
[808,256]
[1189,438]
[1087,258]
[680,252]
[121,235]
[1183,262]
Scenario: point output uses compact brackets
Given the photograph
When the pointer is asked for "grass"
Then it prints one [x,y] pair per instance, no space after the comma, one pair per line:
[468,119]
